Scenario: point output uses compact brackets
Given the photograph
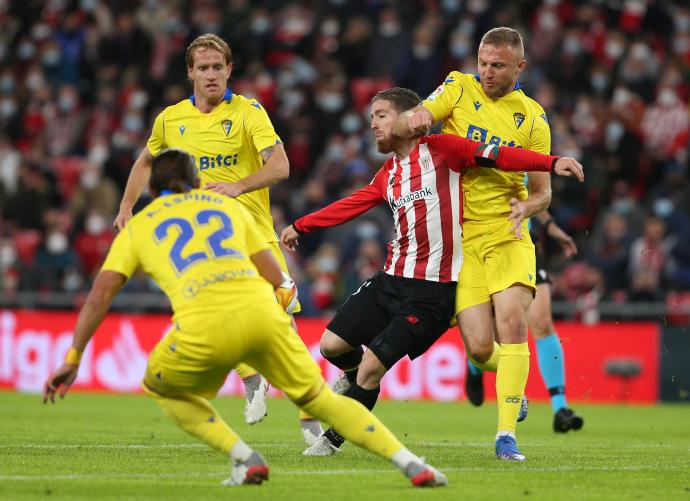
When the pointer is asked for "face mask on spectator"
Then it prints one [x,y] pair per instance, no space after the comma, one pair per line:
[7,255]
[682,23]
[663,207]
[98,154]
[260,25]
[421,51]
[26,51]
[67,102]
[40,31]
[51,57]
[681,44]
[548,21]
[350,123]
[56,243]
[335,152]
[459,49]
[34,80]
[138,100]
[330,101]
[389,28]
[327,264]
[88,5]
[667,97]
[287,79]
[599,82]
[132,123]
[7,84]
[95,224]
[88,179]
[367,230]
[614,49]
[572,46]
[8,107]
[623,206]
[614,132]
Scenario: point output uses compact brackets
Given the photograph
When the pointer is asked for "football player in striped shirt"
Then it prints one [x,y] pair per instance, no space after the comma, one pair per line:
[407,306]
[237,153]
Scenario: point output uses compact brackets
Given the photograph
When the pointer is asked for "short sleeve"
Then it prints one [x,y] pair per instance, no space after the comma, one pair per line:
[156,142]
[122,257]
[441,102]
[541,134]
[259,127]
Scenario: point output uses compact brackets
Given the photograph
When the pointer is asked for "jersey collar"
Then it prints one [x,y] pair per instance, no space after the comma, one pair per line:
[226,97]
[518,85]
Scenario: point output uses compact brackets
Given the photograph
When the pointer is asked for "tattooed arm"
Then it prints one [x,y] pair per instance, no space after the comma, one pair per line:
[276,168]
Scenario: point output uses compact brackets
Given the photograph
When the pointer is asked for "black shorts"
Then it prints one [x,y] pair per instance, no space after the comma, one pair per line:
[395,316]
[542,274]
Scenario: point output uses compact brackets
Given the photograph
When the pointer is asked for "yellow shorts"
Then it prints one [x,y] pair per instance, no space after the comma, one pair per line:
[197,354]
[494,259]
[283,266]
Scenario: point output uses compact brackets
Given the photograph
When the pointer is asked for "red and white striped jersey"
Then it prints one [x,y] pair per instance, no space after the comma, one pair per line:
[424,192]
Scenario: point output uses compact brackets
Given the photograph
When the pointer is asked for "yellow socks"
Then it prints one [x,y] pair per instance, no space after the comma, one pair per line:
[511,378]
[354,422]
[196,416]
[490,365]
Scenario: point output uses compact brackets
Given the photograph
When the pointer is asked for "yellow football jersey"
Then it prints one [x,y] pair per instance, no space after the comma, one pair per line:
[512,120]
[196,246]
[225,144]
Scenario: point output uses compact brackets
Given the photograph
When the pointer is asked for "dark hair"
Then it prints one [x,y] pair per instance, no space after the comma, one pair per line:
[172,170]
[505,36]
[401,98]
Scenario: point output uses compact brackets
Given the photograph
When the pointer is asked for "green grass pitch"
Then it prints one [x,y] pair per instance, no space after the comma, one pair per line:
[93,446]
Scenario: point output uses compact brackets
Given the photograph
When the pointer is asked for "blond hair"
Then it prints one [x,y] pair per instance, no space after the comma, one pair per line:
[208,41]
[505,36]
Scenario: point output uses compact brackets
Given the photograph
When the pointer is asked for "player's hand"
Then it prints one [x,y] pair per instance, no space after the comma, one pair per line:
[289,238]
[568,167]
[64,377]
[232,190]
[122,218]
[517,215]
[419,122]
[565,241]
[287,294]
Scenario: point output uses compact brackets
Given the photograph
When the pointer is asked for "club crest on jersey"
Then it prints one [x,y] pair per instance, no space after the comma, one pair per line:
[183,128]
[436,93]
[519,118]
[227,125]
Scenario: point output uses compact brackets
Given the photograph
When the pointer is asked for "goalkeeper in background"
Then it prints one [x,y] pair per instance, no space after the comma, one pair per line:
[205,252]
[237,154]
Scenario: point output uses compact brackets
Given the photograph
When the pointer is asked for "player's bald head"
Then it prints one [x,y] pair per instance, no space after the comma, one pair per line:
[173,170]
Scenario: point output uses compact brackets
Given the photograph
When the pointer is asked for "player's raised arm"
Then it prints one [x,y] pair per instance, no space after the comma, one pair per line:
[105,287]
[138,179]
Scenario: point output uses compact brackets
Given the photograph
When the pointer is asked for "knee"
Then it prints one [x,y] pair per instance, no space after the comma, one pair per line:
[540,327]
[370,371]
[332,345]
[481,352]
[511,326]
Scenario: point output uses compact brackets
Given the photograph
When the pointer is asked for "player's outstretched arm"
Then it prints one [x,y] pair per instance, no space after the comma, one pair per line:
[276,168]
[138,179]
[105,287]
[414,122]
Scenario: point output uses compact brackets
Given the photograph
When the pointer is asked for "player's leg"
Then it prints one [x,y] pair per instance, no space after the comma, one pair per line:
[344,356]
[550,355]
[311,428]
[475,320]
[180,384]
[286,362]
[511,275]
[255,389]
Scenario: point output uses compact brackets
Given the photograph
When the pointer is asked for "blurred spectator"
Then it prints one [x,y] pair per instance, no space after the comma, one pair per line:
[80,83]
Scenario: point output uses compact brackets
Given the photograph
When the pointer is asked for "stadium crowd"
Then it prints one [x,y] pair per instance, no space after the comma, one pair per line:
[81,81]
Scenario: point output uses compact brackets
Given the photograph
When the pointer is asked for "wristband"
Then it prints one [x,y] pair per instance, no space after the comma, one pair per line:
[73,356]
[547,223]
